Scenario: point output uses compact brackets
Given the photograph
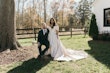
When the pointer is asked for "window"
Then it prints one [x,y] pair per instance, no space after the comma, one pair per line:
[107,17]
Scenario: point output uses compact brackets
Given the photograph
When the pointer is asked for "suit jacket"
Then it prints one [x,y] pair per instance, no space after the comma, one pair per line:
[43,38]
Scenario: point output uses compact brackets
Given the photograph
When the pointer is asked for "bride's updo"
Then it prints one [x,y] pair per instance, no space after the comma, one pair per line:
[52,22]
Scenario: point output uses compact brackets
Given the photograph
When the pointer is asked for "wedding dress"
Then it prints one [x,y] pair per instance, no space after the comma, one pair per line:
[59,52]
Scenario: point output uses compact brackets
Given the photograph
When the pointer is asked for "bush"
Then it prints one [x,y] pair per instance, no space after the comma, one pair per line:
[93,31]
[67,28]
[104,37]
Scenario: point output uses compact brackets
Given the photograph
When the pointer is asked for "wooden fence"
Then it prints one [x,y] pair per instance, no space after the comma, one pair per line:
[33,33]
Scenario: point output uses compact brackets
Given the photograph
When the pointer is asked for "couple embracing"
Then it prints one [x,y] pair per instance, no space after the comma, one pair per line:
[49,37]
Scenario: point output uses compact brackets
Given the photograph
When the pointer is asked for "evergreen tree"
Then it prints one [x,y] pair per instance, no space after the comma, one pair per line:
[93,31]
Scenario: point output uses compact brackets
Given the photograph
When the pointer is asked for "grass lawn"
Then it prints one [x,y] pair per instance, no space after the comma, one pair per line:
[98,60]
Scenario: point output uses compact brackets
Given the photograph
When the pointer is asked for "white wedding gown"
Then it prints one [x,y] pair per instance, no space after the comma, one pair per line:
[59,52]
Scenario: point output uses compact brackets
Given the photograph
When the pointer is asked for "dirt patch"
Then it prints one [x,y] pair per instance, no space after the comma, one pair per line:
[23,54]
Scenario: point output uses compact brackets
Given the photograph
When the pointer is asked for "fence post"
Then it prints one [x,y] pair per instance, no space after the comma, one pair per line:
[71,31]
[35,33]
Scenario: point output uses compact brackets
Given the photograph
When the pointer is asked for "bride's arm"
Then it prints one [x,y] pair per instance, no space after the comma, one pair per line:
[48,27]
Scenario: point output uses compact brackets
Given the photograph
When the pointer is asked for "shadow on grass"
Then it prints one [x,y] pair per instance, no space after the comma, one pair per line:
[100,51]
[31,66]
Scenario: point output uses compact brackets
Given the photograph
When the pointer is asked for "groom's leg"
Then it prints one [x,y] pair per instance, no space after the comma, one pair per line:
[40,50]
[47,47]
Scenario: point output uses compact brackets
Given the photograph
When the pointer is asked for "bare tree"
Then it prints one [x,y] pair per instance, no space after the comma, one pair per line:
[39,10]
[18,13]
[62,12]
[55,7]
[83,10]
[44,10]
[23,3]
[7,25]
[63,5]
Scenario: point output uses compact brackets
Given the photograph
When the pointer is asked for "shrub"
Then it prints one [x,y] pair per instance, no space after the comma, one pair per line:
[93,31]
[104,37]
[67,28]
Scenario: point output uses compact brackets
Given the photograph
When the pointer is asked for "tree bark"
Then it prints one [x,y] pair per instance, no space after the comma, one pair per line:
[18,14]
[8,26]
[44,10]
[23,12]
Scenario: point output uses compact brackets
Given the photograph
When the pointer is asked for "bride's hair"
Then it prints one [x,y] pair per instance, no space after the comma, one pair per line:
[54,24]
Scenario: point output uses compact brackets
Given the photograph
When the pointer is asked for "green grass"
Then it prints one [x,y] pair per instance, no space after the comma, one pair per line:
[97,62]
[26,42]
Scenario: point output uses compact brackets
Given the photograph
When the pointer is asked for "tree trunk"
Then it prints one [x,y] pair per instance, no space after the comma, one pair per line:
[7,25]
[62,12]
[18,14]
[23,12]
[44,10]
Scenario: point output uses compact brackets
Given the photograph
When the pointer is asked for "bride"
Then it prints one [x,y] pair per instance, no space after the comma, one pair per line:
[58,51]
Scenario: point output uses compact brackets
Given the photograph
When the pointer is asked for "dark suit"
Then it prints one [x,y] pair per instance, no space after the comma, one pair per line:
[43,40]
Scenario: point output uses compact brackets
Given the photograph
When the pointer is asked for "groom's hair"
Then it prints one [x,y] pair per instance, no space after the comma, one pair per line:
[43,23]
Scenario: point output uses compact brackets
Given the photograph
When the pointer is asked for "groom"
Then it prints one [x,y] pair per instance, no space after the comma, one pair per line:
[43,40]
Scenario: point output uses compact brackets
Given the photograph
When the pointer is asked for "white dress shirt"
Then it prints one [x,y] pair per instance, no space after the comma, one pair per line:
[44,31]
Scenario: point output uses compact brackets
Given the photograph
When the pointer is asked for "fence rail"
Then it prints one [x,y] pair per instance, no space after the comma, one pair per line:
[33,33]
